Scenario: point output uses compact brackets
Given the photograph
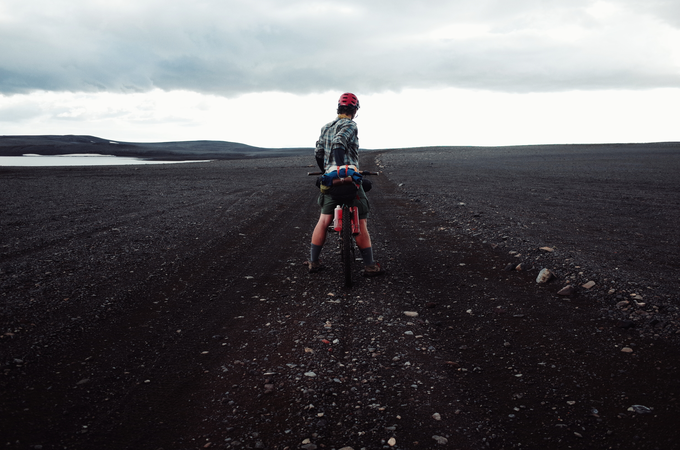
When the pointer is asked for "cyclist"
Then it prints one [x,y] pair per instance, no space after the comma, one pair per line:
[338,145]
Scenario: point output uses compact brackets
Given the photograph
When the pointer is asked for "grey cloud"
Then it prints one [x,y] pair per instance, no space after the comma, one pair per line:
[235,47]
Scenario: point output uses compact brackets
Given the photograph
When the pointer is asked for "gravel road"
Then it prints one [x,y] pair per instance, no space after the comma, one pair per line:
[169,307]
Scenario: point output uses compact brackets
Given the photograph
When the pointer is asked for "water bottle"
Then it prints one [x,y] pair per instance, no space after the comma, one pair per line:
[337,220]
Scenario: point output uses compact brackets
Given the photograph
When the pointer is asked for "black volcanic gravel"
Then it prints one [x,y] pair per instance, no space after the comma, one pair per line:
[169,307]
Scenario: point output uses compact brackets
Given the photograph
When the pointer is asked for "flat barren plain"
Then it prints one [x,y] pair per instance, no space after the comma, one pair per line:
[169,307]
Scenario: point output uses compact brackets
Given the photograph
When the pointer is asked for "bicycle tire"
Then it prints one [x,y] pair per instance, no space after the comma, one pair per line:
[346,245]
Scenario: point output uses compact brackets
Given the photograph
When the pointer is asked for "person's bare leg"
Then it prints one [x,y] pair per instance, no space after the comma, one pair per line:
[363,239]
[318,239]
[319,234]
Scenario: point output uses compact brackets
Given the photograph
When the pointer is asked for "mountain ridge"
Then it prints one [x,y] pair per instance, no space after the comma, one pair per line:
[50,145]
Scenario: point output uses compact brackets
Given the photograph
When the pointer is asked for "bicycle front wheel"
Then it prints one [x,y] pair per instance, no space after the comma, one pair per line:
[346,245]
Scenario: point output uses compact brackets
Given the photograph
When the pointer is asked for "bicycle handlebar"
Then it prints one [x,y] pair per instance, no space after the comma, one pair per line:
[363,172]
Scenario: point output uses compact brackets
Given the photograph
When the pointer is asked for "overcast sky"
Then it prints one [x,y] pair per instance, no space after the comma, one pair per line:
[268,73]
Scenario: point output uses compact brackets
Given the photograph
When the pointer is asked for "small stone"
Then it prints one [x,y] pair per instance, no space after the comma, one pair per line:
[640,409]
[440,440]
[410,314]
[567,290]
[520,267]
[310,374]
[392,442]
[510,267]
[627,350]
[544,276]
[409,333]
[622,304]
[588,285]
[578,434]
[547,249]
[437,416]
[346,448]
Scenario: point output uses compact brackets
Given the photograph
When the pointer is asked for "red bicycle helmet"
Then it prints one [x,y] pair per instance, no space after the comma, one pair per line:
[348,99]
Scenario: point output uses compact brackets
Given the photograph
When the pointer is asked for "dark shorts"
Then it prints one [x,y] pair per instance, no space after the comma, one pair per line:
[328,204]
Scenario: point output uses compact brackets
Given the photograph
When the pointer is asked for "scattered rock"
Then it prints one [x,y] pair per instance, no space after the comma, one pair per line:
[588,285]
[627,350]
[567,290]
[410,314]
[310,374]
[544,276]
[437,416]
[392,442]
[547,249]
[640,409]
[440,440]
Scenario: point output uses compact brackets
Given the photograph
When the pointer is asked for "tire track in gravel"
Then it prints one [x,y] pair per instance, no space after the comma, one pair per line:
[343,371]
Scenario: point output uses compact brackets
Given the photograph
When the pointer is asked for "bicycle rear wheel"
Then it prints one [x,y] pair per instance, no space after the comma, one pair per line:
[346,245]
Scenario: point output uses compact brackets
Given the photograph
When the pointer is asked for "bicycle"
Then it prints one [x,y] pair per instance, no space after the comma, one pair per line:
[346,228]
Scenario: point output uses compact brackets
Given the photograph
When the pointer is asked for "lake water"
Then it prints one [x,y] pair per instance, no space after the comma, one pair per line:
[78,160]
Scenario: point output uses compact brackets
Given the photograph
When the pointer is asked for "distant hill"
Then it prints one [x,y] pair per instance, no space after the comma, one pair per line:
[186,150]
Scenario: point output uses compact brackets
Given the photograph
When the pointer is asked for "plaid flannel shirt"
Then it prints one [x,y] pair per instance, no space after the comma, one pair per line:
[339,133]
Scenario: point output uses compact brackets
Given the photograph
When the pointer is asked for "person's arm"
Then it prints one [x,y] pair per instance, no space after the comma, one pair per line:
[343,136]
[320,156]
[339,155]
